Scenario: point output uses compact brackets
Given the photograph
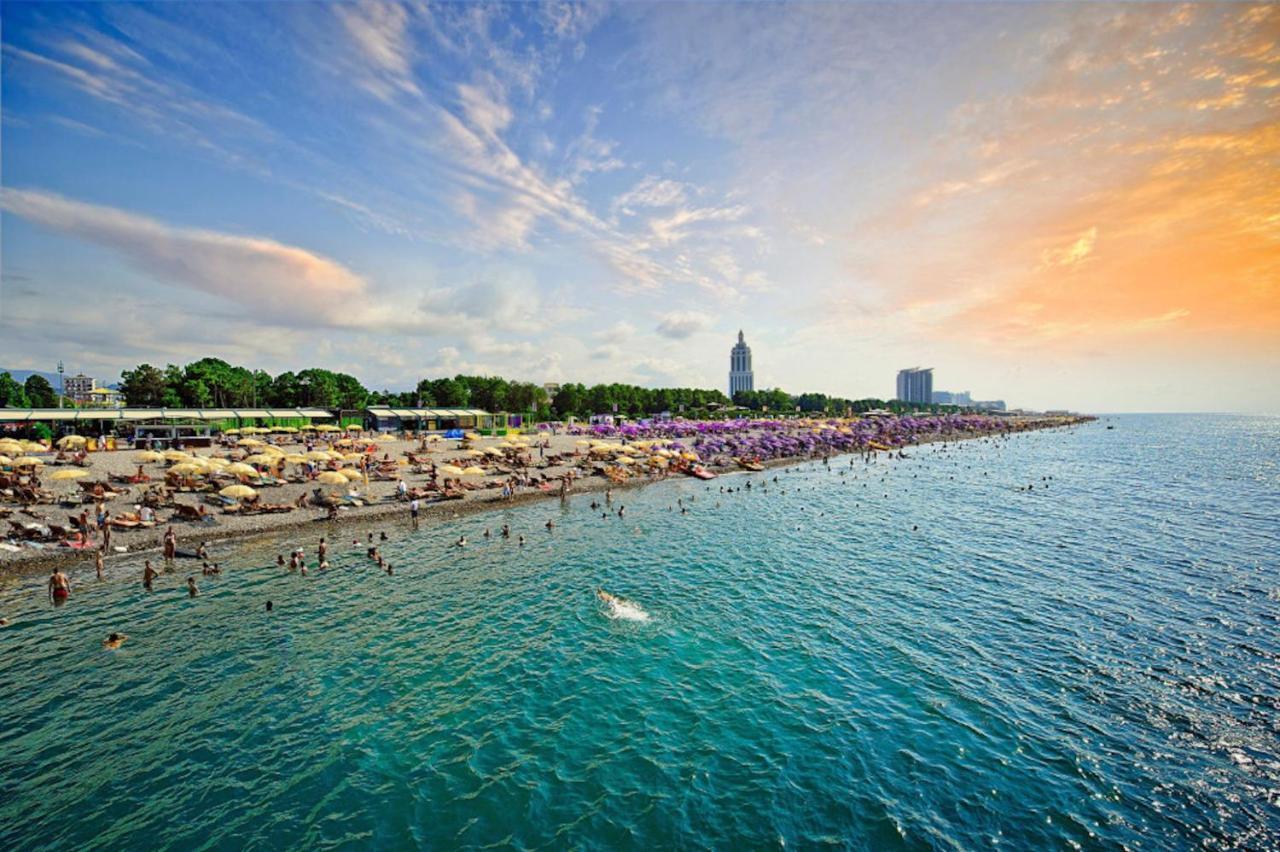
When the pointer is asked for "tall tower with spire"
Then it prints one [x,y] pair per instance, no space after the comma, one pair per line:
[741,377]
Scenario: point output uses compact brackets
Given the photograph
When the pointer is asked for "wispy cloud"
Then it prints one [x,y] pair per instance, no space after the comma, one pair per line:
[257,273]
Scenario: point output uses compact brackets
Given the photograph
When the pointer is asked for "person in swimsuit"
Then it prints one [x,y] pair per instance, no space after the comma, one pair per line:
[114,641]
[170,544]
[202,552]
[97,563]
[59,586]
[191,586]
[148,574]
[322,550]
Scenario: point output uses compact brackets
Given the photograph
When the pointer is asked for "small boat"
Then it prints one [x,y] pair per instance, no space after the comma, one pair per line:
[701,472]
[750,464]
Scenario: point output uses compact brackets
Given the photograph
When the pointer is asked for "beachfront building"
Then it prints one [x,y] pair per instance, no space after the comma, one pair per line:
[384,418]
[741,376]
[916,385]
[78,387]
[104,398]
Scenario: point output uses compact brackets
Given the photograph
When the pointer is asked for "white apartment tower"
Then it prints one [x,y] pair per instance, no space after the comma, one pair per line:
[741,378]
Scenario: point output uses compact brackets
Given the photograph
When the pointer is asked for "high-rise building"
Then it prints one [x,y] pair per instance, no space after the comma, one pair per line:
[916,385]
[79,387]
[741,377]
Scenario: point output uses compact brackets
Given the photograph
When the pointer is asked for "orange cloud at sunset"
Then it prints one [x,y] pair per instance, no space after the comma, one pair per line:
[1126,195]
[1191,249]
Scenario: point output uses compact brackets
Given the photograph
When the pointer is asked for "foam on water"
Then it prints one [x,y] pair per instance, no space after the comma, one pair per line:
[1091,663]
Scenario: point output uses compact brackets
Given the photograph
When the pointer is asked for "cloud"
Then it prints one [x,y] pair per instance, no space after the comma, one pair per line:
[1074,254]
[380,32]
[673,228]
[254,272]
[679,325]
[651,191]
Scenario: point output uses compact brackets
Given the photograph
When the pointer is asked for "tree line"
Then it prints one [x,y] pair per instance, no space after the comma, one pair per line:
[778,401]
[213,383]
[35,392]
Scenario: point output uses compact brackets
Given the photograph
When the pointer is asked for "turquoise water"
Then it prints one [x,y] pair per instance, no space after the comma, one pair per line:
[1092,664]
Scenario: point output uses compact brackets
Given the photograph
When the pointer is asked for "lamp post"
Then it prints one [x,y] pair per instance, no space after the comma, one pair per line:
[61,385]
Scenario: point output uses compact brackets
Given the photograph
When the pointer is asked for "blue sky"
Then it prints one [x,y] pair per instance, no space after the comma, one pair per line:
[589,192]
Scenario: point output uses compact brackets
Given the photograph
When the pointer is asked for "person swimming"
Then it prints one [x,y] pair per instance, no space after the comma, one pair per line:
[621,608]
[191,586]
[114,641]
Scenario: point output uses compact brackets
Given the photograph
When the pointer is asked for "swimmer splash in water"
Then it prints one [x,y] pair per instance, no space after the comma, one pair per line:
[621,608]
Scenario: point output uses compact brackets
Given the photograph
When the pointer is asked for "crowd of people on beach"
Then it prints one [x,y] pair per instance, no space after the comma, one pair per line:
[59,586]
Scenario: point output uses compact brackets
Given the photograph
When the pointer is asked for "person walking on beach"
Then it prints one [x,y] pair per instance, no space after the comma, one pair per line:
[170,545]
[148,575]
[414,507]
[59,587]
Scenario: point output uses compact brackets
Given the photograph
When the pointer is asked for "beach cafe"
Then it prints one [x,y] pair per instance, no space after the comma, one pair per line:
[387,419]
[156,426]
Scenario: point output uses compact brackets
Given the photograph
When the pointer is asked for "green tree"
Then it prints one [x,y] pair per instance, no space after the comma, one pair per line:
[144,386]
[39,392]
[350,393]
[12,394]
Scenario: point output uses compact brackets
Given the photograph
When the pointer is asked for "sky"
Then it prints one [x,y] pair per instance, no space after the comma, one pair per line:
[1063,205]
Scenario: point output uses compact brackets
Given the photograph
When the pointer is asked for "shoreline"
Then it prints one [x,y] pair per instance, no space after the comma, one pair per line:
[263,527]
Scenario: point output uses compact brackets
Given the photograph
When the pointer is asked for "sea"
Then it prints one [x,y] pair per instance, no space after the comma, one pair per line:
[1062,639]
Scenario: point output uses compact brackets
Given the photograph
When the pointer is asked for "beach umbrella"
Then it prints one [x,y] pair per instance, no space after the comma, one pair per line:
[188,469]
[5,460]
[10,447]
[473,471]
[386,436]
[239,492]
[176,456]
[355,428]
[351,473]
[452,470]
[434,439]
[325,427]
[492,451]
[239,469]
[231,431]
[475,454]
[260,458]
[471,436]
[318,455]
[624,460]
[33,446]
[69,473]
[271,450]
[331,477]
[296,458]
[249,442]
[27,461]
[71,441]
[148,456]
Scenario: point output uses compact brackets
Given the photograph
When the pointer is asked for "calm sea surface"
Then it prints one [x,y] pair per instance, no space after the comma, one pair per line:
[1094,663]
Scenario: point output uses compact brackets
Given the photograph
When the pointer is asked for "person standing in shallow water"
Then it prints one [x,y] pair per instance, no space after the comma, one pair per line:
[148,575]
[170,544]
[59,587]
